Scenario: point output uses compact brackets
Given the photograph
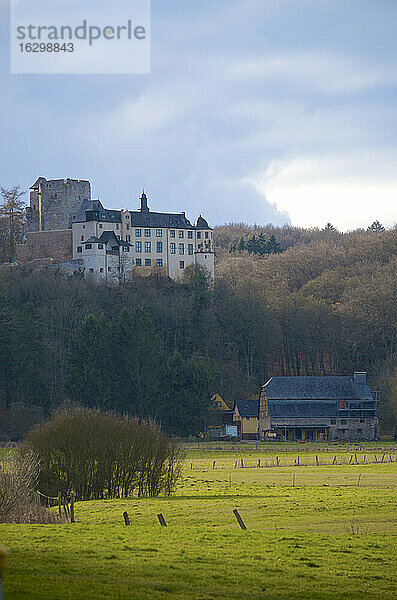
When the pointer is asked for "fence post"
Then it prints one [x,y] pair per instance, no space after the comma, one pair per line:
[317,463]
[126,518]
[334,461]
[59,504]
[72,508]
[162,520]
[359,477]
[239,519]
[213,465]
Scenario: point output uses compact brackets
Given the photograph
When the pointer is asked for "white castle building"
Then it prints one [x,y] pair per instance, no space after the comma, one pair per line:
[111,244]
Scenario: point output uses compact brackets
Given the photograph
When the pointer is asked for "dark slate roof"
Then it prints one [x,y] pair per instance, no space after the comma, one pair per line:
[201,223]
[289,408]
[248,408]
[35,186]
[156,219]
[88,205]
[316,388]
[93,240]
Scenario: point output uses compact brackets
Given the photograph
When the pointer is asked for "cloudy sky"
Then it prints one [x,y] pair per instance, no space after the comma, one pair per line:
[255,110]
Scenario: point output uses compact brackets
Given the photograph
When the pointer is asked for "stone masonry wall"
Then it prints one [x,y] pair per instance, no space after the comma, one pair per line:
[46,244]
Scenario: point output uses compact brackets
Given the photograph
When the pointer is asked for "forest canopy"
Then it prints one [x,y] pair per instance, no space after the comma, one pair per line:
[154,348]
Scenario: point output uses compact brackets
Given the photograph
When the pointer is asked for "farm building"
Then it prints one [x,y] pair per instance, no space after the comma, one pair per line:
[221,416]
[246,418]
[318,408]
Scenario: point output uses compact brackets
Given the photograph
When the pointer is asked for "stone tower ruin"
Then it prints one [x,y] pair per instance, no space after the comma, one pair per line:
[54,202]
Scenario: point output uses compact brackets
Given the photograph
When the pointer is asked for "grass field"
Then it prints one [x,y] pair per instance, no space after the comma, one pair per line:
[312,532]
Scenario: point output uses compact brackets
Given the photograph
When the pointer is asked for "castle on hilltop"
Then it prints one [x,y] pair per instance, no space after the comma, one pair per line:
[65,224]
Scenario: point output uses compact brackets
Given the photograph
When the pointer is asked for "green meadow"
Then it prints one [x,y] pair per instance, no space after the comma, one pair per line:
[313,532]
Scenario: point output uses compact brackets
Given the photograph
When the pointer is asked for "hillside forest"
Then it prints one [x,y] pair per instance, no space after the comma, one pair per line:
[310,302]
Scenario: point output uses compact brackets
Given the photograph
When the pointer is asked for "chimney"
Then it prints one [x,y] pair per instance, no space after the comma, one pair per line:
[360,378]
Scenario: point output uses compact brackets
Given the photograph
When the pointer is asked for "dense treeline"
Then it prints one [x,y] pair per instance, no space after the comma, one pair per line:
[152,347]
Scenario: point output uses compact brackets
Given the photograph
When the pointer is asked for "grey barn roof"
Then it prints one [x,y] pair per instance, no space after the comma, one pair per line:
[317,388]
[248,408]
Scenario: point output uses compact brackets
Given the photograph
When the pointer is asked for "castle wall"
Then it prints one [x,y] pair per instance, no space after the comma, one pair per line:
[46,244]
[53,203]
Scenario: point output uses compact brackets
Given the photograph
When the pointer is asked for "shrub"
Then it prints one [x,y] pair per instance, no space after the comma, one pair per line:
[97,455]
[19,502]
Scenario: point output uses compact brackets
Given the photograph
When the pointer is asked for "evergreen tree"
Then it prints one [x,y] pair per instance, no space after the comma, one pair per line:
[376,227]
[241,245]
[233,248]
[251,245]
[273,246]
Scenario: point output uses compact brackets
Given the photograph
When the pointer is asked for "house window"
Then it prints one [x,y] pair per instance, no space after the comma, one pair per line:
[100,225]
[247,418]
[147,232]
[342,405]
[181,248]
[190,235]
[148,247]
[138,246]
[138,232]
[181,264]
[88,246]
[181,234]
[159,262]
[199,235]
[190,249]
[159,232]
[79,249]
[206,235]
[173,248]
[148,262]
[100,246]
[218,403]
[159,247]
[138,262]
[101,270]
[127,238]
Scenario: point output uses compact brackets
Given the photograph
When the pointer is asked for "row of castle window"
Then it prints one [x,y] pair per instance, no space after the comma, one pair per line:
[159,233]
[148,248]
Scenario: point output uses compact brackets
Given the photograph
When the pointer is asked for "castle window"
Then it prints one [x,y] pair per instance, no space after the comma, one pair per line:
[148,262]
[172,233]
[100,225]
[127,217]
[333,421]
[138,232]
[199,235]
[343,421]
[91,270]
[148,247]
[88,246]
[101,270]
[100,246]
[181,264]
[172,248]
[362,420]
[138,262]
[206,235]
[147,232]
[117,226]
[83,226]
[190,235]
[126,248]
[79,249]
[359,430]
[110,269]
[159,232]
[159,262]
[181,248]
[190,249]
[181,234]
[159,247]
[82,238]
[127,227]
[138,246]
[127,238]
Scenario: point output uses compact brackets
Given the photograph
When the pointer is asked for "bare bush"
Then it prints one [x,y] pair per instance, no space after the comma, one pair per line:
[19,502]
[103,455]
